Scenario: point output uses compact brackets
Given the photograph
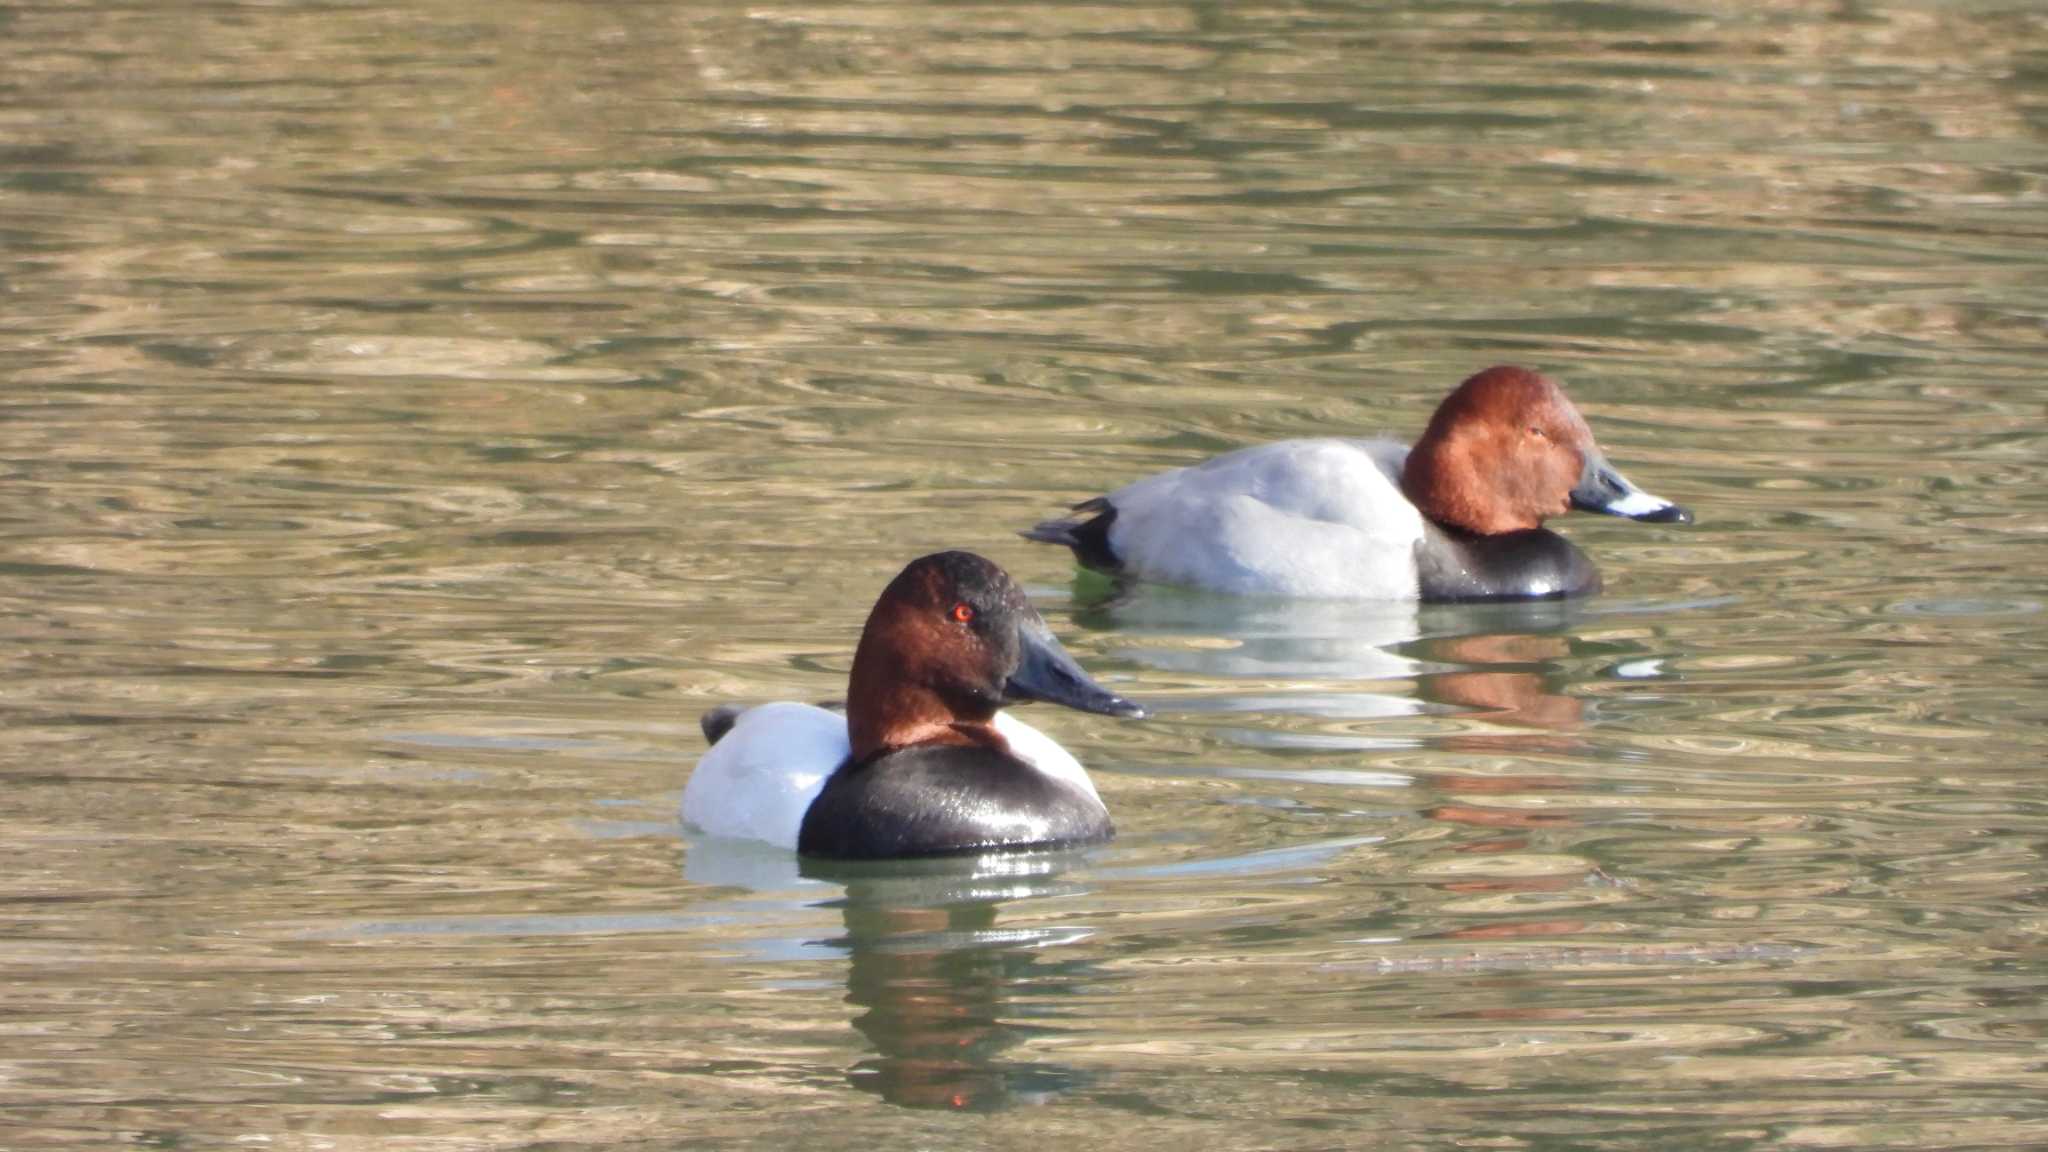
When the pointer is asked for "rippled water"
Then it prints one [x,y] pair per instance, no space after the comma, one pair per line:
[414,417]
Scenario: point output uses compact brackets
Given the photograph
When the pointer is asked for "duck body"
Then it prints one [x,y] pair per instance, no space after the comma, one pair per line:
[1315,518]
[934,799]
[774,774]
[923,762]
[1458,517]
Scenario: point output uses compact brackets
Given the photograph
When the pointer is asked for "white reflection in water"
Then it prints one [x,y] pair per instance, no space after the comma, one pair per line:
[1203,633]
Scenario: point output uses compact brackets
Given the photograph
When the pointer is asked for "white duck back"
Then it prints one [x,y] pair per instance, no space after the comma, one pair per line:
[757,782]
[1305,518]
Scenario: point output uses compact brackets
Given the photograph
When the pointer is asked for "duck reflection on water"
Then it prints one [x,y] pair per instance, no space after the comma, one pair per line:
[944,989]
[1345,660]
[1498,671]
[950,971]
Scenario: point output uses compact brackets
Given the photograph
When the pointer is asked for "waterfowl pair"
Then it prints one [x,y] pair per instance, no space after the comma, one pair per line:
[924,762]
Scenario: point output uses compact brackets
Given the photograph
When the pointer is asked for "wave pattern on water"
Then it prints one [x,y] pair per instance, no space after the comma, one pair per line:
[417,415]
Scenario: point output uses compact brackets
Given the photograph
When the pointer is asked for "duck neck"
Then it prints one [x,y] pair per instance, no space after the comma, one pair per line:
[880,722]
[1442,479]
[889,706]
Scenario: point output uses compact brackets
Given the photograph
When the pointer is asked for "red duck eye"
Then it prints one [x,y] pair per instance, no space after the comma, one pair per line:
[963,612]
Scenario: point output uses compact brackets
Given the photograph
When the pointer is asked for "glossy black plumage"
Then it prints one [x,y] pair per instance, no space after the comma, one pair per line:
[1535,564]
[936,800]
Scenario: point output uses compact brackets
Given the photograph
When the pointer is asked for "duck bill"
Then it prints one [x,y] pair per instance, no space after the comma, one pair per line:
[1602,488]
[1045,672]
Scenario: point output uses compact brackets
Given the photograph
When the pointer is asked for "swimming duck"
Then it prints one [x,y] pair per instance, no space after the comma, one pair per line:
[923,762]
[1457,517]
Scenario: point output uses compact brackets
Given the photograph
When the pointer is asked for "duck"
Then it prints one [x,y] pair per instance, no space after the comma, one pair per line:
[923,761]
[1457,517]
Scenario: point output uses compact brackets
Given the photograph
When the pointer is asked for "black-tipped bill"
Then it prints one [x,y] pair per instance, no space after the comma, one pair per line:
[1045,672]
[1602,489]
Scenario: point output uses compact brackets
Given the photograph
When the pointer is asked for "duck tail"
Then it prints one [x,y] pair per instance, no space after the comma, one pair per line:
[1089,538]
[719,721]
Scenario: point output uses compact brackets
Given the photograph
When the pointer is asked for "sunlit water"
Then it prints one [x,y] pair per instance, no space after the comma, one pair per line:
[415,416]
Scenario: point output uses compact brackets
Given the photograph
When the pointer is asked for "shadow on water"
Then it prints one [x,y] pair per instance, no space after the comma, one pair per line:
[944,989]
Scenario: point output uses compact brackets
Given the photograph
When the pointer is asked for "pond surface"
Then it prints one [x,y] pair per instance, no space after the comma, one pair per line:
[415,416]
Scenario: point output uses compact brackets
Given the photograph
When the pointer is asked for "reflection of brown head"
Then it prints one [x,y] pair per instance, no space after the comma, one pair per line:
[1501,454]
[1508,698]
[1501,648]
[1504,696]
